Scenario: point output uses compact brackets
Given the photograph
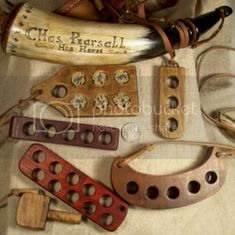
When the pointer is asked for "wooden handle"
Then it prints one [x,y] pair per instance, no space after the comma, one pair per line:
[65,217]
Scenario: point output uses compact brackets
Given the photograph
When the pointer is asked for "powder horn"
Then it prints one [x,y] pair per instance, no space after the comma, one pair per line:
[35,34]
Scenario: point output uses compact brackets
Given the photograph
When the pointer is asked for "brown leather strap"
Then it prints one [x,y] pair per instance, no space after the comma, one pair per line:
[215,33]
[141,11]
[17,109]
[165,39]
[184,35]
[194,30]
[68,6]
[81,9]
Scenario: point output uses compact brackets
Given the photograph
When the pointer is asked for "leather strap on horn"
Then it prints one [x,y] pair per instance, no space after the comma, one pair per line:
[127,160]
[181,26]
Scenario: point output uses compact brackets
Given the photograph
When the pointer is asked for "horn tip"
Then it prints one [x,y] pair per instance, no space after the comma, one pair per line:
[226,9]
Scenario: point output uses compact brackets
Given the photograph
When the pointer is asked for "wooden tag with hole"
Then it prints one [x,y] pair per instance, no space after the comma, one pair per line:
[92,91]
[172,98]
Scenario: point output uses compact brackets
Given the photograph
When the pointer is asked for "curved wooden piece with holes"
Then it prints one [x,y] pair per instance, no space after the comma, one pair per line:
[107,215]
[165,192]
[66,133]
[62,91]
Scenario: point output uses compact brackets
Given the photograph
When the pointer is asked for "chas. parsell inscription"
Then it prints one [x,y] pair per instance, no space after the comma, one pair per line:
[75,42]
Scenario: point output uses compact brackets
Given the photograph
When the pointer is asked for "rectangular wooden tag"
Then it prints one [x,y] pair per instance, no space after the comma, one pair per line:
[92,91]
[172,98]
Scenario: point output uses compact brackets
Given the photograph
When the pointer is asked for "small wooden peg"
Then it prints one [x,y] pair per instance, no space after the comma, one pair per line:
[33,212]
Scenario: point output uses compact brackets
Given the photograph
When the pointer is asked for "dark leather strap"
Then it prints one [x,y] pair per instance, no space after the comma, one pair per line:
[68,6]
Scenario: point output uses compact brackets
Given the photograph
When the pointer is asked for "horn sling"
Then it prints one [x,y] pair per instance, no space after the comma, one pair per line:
[35,34]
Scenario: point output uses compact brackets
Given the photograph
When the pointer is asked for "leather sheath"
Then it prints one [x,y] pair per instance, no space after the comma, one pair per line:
[95,10]
[82,9]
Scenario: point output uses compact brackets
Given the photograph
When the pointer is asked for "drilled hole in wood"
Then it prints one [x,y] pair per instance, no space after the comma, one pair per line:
[172,124]
[50,131]
[122,208]
[132,187]
[173,193]
[152,193]
[56,168]
[90,208]
[107,219]
[105,138]
[194,187]
[39,156]
[172,82]
[87,137]
[106,201]
[60,91]
[72,196]
[172,102]
[38,175]
[211,177]
[69,135]
[72,179]
[54,186]
[89,190]
[29,129]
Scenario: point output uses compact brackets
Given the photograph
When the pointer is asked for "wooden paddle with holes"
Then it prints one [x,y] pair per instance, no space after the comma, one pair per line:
[89,197]
[66,133]
[33,212]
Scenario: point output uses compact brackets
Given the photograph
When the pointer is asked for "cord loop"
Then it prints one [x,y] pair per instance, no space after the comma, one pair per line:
[17,109]
[151,147]
[228,128]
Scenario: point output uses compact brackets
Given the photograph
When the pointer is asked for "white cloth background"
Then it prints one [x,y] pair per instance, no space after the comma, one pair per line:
[212,216]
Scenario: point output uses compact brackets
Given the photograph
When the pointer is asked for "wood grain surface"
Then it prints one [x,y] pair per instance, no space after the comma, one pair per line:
[170,191]
[89,90]
[171,102]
